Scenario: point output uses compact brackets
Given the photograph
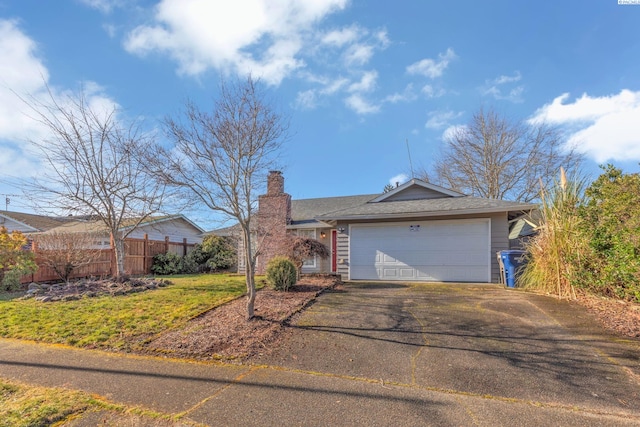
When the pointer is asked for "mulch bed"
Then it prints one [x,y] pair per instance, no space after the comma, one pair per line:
[225,333]
[621,317]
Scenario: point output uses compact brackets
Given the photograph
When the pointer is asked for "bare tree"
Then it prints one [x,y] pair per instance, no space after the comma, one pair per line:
[220,159]
[498,158]
[92,166]
[66,252]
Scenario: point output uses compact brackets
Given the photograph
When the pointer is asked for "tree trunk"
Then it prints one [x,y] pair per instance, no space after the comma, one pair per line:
[118,246]
[251,294]
[249,274]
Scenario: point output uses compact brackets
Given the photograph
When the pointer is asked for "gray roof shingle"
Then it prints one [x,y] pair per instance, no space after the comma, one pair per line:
[38,222]
[426,207]
[303,211]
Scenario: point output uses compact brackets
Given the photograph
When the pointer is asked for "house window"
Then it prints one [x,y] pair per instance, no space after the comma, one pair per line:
[309,233]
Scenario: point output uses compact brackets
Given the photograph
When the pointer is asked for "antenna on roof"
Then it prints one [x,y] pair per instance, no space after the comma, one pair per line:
[410,162]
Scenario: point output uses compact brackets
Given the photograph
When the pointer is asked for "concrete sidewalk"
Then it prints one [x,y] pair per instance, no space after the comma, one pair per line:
[380,355]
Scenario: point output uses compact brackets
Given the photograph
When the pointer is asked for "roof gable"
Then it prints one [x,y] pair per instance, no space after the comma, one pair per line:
[97,226]
[416,189]
[150,221]
[32,222]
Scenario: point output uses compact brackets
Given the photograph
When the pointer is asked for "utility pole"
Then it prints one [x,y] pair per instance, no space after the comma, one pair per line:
[7,200]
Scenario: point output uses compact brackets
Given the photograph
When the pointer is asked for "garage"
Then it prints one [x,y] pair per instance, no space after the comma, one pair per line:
[432,251]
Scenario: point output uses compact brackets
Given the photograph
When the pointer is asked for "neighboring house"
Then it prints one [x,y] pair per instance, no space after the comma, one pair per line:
[29,223]
[523,228]
[172,228]
[415,232]
[154,235]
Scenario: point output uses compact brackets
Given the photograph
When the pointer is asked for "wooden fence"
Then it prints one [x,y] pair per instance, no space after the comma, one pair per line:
[138,259]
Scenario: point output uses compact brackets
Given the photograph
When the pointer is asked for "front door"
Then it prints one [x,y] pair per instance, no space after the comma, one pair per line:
[334,251]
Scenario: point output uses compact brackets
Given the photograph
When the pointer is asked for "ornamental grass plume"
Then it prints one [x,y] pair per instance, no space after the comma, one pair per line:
[555,252]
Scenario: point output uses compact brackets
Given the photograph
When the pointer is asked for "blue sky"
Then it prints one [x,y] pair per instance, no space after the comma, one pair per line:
[358,78]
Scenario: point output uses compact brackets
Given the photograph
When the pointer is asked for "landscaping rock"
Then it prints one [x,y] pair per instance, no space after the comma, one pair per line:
[90,288]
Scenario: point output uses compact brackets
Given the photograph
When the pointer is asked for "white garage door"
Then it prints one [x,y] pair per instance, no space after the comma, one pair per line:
[442,251]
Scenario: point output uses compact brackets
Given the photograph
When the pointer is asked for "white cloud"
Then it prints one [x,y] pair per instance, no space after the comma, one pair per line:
[14,162]
[452,131]
[432,68]
[508,79]
[431,92]
[358,43]
[311,98]
[355,46]
[360,105]
[440,119]
[111,30]
[502,88]
[334,86]
[306,100]
[104,6]
[358,54]
[356,101]
[406,95]
[604,128]
[24,79]
[399,179]
[21,73]
[248,36]
[344,36]
[366,84]
[383,38]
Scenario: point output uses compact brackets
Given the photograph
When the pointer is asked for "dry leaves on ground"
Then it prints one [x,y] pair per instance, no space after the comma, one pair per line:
[621,317]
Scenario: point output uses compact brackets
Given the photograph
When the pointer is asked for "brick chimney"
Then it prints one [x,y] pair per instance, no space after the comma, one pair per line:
[274,214]
[275,183]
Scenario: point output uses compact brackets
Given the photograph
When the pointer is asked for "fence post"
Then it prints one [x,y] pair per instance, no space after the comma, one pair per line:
[166,244]
[34,249]
[184,246]
[145,254]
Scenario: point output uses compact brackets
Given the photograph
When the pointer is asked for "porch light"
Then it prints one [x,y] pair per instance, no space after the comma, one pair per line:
[323,234]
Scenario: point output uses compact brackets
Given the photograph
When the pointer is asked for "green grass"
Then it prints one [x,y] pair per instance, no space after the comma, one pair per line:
[22,405]
[117,322]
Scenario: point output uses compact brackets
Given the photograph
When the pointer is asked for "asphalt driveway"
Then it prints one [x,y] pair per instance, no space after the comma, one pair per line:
[378,355]
[469,340]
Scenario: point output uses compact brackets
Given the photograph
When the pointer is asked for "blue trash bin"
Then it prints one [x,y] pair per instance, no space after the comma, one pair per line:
[513,261]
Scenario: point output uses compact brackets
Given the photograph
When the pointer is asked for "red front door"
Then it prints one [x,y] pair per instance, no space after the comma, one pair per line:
[334,251]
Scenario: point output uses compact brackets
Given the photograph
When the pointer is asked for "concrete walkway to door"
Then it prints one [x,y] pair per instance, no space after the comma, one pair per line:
[378,355]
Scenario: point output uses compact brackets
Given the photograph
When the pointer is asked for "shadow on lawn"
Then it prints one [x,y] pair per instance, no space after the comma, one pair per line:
[10,296]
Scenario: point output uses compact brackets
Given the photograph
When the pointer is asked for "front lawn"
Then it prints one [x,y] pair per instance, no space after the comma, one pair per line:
[22,405]
[117,322]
